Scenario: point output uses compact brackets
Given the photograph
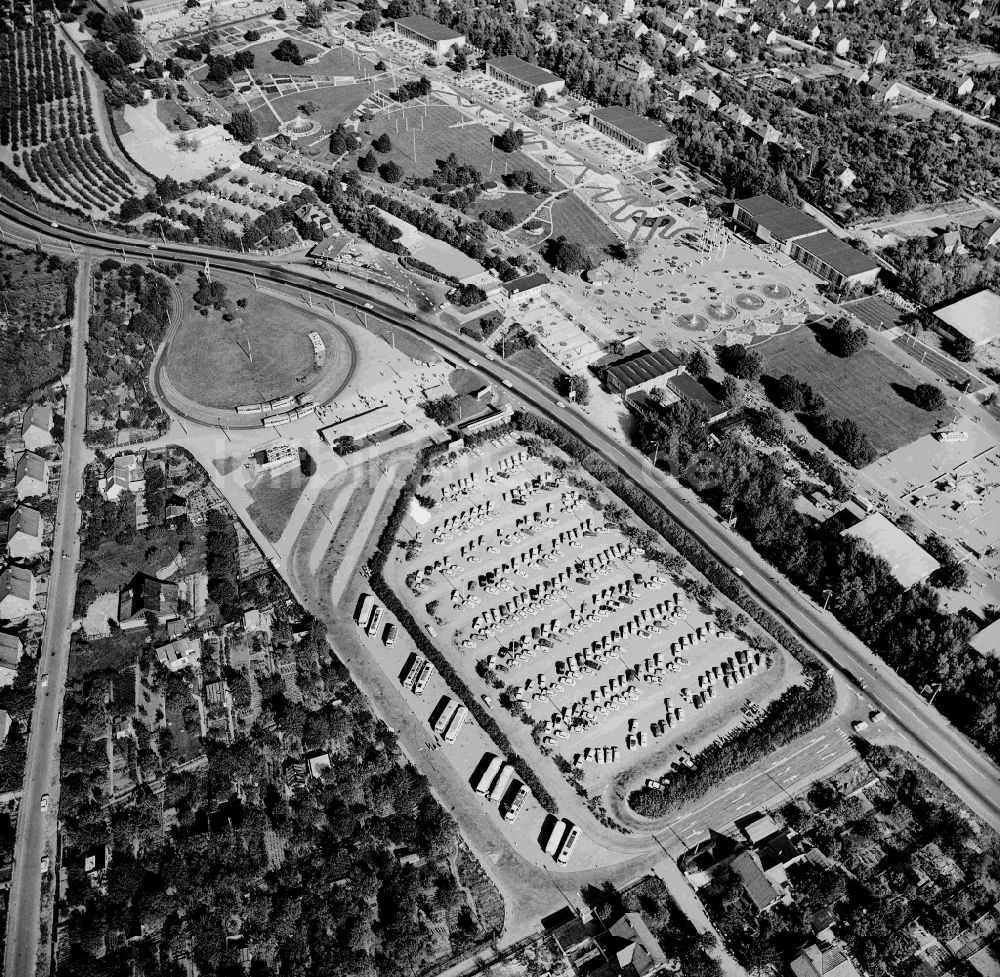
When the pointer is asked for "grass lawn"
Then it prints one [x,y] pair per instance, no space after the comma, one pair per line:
[868,388]
[471,143]
[336,104]
[519,204]
[535,362]
[574,219]
[265,63]
[274,498]
[113,565]
[207,359]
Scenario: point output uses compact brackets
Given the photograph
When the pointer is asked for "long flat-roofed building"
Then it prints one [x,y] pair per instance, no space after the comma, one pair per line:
[428,33]
[524,76]
[640,368]
[835,260]
[774,222]
[975,318]
[645,136]
[909,561]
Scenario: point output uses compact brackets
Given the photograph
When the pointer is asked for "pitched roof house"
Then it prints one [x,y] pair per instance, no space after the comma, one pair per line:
[24,533]
[31,475]
[36,427]
[636,950]
[17,593]
[146,595]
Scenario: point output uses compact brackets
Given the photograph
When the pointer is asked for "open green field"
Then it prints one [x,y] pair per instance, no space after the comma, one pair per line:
[521,205]
[274,499]
[335,106]
[265,63]
[574,219]
[868,388]
[208,360]
[472,144]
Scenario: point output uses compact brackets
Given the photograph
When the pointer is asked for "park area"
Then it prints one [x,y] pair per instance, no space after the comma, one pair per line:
[328,106]
[439,130]
[574,220]
[867,387]
[263,353]
[330,62]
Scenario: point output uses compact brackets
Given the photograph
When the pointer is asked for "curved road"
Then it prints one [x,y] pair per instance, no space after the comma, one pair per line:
[923,731]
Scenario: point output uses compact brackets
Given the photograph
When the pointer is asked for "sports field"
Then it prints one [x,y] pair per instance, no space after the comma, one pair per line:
[264,353]
[867,388]
[335,106]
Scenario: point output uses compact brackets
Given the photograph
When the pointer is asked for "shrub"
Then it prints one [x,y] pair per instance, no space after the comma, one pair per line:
[928,397]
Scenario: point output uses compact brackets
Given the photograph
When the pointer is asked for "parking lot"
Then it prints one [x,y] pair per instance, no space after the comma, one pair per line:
[527,587]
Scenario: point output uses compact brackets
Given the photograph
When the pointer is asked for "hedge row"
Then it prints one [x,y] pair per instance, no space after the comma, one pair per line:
[426,647]
[797,711]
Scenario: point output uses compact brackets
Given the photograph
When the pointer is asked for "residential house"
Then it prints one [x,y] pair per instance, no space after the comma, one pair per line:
[756,888]
[635,68]
[318,763]
[929,18]
[878,55]
[814,33]
[679,52]
[988,233]
[31,475]
[18,591]
[771,38]
[317,216]
[763,132]
[735,116]
[950,242]
[695,44]
[144,595]
[823,960]
[856,76]
[636,951]
[11,649]
[970,11]
[842,47]
[678,88]
[123,474]
[24,533]
[844,177]
[179,654]
[812,8]
[959,84]
[882,91]
[36,427]
[708,99]
[760,829]
[984,102]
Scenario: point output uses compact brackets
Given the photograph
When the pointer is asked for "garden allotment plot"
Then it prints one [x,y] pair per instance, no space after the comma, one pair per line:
[551,611]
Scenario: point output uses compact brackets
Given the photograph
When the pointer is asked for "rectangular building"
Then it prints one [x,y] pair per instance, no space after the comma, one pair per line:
[835,260]
[909,561]
[428,33]
[641,369]
[644,136]
[975,318]
[774,222]
[523,76]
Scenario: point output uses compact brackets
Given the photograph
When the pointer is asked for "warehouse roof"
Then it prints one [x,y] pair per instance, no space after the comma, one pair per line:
[428,28]
[782,221]
[838,254]
[692,389]
[523,71]
[977,316]
[525,283]
[643,366]
[637,126]
[909,561]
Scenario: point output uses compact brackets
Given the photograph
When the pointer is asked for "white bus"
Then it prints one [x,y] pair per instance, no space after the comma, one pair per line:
[457,722]
[511,809]
[569,843]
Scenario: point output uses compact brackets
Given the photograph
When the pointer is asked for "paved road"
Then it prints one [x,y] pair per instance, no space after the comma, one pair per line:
[36,833]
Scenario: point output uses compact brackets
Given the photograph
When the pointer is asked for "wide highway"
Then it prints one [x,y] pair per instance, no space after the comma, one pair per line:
[924,731]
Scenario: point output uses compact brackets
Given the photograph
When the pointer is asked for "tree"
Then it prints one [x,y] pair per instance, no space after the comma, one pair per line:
[845,341]
[733,393]
[460,62]
[288,50]
[129,48]
[789,394]
[383,144]
[391,172]
[310,107]
[541,97]
[220,70]
[244,126]
[443,411]
[963,348]
[368,163]
[697,365]
[568,256]
[576,388]
[313,15]
[368,22]
[280,14]
[243,60]
[741,362]
[928,397]
[251,36]
[510,140]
